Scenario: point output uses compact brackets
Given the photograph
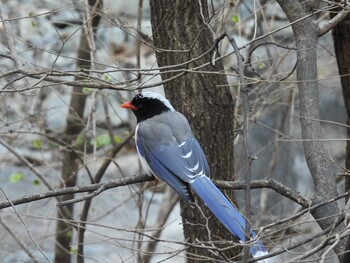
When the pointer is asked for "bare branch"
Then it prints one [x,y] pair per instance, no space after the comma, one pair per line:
[26,226]
[27,163]
[267,183]
[169,201]
[324,29]
[19,241]
[83,198]
[247,158]
[9,36]
[77,189]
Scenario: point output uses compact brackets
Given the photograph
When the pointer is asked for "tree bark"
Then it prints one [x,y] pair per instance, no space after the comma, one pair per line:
[181,34]
[74,126]
[341,39]
[305,35]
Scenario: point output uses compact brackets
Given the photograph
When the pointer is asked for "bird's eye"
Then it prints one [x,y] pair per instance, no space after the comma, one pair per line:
[139,106]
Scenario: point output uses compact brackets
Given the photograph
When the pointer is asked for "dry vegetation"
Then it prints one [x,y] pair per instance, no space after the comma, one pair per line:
[65,66]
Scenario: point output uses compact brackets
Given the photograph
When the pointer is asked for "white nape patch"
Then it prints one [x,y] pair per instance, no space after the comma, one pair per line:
[154,95]
[188,155]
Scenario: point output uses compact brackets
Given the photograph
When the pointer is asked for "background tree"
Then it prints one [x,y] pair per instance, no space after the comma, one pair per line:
[181,33]
[341,38]
[306,34]
[74,127]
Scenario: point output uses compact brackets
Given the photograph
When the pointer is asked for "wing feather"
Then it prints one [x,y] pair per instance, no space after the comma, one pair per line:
[172,153]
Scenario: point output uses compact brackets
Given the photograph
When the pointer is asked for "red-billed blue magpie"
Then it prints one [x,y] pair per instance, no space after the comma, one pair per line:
[168,150]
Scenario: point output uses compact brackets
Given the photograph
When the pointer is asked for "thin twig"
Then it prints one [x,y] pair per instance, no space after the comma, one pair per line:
[19,241]
[83,198]
[27,163]
[138,28]
[169,201]
[84,213]
[25,225]
[92,82]
[267,183]
[299,243]
[247,158]
[9,37]
[324,29]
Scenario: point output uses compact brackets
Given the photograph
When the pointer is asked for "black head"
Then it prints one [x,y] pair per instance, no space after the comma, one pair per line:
[147,105]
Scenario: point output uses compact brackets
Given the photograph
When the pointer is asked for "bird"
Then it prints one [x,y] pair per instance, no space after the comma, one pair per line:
[168,150]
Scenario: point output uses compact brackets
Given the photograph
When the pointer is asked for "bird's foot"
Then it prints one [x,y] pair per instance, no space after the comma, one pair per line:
[155,182]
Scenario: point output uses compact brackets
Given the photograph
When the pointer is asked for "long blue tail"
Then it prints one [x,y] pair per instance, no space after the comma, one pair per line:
[228,215]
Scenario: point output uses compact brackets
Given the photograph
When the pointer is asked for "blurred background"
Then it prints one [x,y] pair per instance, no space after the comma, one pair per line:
[34,112]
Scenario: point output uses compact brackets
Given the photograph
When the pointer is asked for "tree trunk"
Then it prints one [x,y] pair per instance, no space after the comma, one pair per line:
[341,38]
[181,34]
[74,126]
[305,34]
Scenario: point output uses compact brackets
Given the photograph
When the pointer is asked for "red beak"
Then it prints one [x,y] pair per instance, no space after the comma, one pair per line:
[128,105]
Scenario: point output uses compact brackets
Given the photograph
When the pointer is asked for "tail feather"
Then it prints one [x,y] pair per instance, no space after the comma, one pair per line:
[227,214]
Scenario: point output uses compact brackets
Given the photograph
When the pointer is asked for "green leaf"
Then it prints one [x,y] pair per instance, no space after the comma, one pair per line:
[79,140]
[69,234]
[73,250]
[117,139]
[34,23]
[101,140]
[235,19]
[261,65]
[106,77]
[86,90]
[16,177]
[36,182]
[37,144]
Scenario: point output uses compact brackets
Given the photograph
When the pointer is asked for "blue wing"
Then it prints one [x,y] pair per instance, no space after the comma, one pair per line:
[185,159]
[176,163]
[164,173]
